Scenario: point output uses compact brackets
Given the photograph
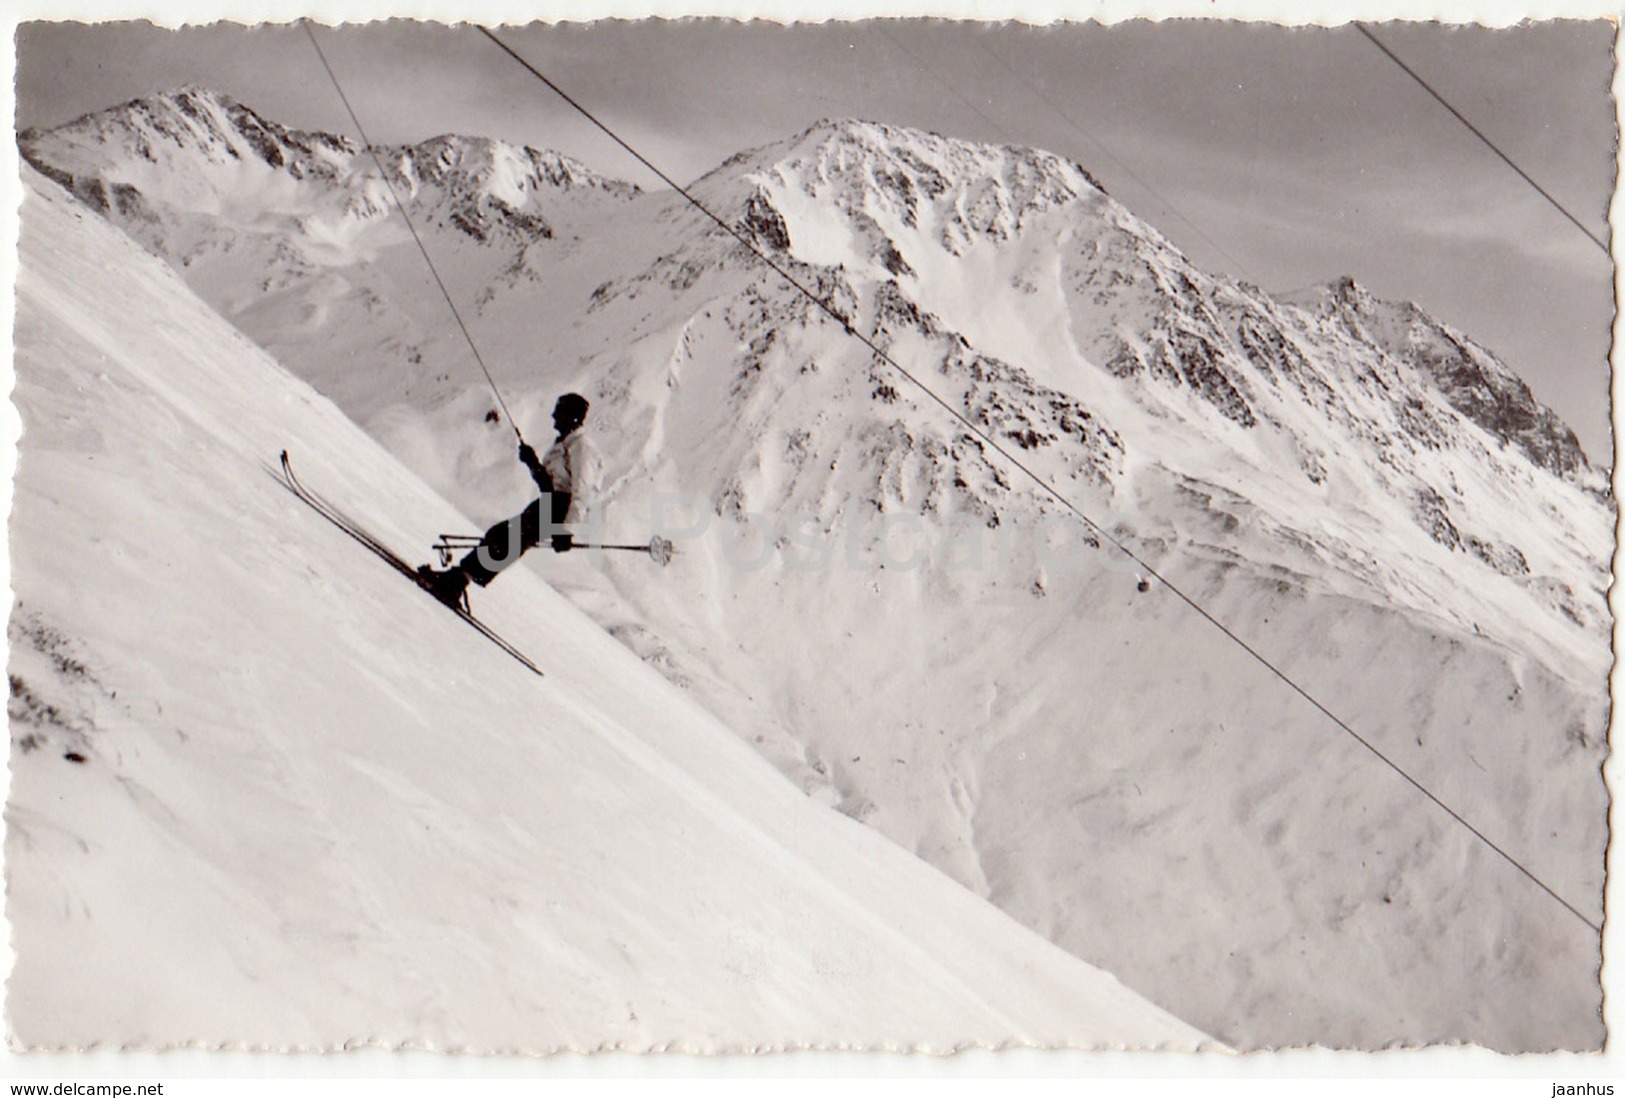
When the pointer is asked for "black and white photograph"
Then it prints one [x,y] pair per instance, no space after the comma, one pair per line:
[733,536]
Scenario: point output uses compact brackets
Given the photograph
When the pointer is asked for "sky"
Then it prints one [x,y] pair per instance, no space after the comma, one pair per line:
[1284,156]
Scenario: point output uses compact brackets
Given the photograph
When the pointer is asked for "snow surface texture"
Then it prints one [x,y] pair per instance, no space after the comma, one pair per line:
[912,631]
[265,793]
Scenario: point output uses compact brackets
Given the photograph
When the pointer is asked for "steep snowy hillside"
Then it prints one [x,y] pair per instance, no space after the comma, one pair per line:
[264,793]
[916,635]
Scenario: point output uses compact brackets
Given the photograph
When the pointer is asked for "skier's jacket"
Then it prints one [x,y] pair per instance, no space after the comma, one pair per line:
[570,467]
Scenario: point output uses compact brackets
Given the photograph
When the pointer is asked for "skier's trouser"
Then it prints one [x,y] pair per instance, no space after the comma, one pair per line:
[510,539]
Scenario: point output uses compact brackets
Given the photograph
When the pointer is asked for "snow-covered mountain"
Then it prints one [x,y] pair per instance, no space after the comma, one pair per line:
[916,634]
[266,794]
[292,233]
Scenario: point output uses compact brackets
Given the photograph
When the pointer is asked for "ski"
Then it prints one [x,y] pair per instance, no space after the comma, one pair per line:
[357,532]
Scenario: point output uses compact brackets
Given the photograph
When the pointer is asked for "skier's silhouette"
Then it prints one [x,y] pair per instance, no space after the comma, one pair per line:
[564,478]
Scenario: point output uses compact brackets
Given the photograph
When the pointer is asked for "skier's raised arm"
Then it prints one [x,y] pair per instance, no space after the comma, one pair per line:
[539,474]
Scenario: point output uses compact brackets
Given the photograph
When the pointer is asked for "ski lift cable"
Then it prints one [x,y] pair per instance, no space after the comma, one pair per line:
[1045,486]
[412,228]
[1478,133]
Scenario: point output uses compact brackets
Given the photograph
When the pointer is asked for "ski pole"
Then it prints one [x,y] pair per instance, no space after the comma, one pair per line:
[659,549]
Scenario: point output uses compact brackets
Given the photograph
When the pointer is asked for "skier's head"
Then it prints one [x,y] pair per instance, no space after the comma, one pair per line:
[569,413]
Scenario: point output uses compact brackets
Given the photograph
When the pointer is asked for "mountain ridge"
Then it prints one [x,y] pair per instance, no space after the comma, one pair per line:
[498,198]
[1471,378]
[485,185]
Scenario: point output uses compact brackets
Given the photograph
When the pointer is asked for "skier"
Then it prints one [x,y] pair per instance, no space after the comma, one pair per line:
[565,478]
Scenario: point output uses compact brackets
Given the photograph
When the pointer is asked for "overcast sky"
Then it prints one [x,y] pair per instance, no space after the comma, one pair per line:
[1288,157]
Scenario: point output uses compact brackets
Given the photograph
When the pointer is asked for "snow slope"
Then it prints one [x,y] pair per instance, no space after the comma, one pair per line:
[1365,494]
[266,794]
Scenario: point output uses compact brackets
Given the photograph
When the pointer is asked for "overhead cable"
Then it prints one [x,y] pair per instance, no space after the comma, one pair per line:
[1478,133]
[400,205]
[1045,486]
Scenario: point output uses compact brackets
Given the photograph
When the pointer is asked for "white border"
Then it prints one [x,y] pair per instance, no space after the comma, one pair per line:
[1405,1072]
